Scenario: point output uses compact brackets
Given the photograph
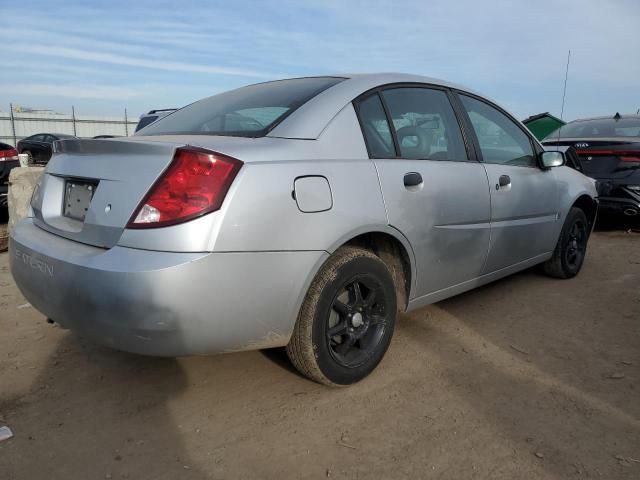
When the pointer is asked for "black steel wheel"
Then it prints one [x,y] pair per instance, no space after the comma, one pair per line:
[576,244]
[357,320]
[346,321]
[571,248]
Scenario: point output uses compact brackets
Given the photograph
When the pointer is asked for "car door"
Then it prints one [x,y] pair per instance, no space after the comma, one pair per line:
[524,206]
[434,190]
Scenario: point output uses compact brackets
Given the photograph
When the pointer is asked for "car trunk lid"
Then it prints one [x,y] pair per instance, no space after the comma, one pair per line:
[91,188]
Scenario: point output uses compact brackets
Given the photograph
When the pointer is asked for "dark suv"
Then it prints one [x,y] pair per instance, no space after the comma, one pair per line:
[152,116]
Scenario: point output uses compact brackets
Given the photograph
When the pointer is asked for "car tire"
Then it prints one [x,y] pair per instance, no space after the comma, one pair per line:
[347,319]
[570,251]
[29,157]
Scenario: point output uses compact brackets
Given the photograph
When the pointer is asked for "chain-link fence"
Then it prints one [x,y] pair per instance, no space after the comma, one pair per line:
[16,125]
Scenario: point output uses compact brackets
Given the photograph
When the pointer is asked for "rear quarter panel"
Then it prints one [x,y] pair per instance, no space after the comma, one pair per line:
[263,214]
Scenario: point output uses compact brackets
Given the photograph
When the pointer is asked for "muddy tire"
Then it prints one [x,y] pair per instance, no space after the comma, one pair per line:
[568,256]
[347,319]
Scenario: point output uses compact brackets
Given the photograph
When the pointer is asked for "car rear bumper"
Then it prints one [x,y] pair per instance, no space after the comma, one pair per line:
[619,205]
[162,303]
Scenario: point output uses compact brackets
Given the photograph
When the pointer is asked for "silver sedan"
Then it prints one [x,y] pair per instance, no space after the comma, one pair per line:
[302,213]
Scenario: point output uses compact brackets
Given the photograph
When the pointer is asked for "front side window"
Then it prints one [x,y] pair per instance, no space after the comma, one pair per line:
[425,124]
[501,140]
[250,111]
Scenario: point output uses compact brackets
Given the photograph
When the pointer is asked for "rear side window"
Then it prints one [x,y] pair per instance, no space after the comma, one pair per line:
[425,124]
[501,139]
[250,111]
[375,128]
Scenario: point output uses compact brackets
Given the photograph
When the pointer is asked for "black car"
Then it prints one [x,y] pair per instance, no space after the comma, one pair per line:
[8,161]
[609,151]
[38,146]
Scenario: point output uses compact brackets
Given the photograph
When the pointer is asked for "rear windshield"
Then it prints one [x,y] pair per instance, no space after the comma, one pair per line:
[603,127]
[248,111]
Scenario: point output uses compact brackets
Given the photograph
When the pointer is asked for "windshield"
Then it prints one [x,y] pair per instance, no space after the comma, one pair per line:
[250,111]
[603,127]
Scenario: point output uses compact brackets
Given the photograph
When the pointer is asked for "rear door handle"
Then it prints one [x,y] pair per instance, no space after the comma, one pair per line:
[412,179]
[503,181]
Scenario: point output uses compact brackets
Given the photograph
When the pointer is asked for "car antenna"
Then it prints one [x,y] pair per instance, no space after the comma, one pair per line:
[564,92]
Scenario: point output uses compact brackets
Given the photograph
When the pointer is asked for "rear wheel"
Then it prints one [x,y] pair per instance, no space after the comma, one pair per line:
[571,248]
[347,318]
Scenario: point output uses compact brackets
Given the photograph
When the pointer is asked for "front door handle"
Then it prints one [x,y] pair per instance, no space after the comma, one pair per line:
[503,181]
[412,179]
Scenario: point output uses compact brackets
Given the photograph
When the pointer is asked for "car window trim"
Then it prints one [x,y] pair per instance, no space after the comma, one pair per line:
[470,150]
[535,148]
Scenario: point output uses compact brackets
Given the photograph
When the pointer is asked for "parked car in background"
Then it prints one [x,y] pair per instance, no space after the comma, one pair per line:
[609,151]
[152,116]
[8,161]
[301,213]
[38,146]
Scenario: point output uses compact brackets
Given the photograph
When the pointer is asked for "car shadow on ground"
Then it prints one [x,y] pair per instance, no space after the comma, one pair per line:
[97,413]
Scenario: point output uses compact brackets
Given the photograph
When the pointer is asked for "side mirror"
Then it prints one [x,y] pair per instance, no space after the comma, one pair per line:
[551,159]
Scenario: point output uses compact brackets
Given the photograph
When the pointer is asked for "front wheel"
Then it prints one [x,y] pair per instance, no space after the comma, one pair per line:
[571,248]
[347,319]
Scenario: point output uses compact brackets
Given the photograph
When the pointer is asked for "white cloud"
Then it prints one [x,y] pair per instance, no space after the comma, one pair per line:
[101,92]
[111,58]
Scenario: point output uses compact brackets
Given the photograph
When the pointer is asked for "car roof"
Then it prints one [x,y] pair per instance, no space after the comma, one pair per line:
[308,121]
[614,117]
[61,135]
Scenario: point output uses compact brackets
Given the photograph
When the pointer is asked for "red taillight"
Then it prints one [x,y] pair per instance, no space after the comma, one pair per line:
[10,154]
[195,183]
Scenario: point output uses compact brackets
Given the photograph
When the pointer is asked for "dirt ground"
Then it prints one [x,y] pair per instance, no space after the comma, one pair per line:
[529,378]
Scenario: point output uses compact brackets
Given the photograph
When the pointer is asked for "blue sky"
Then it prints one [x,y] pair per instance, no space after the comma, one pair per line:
[140,54]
